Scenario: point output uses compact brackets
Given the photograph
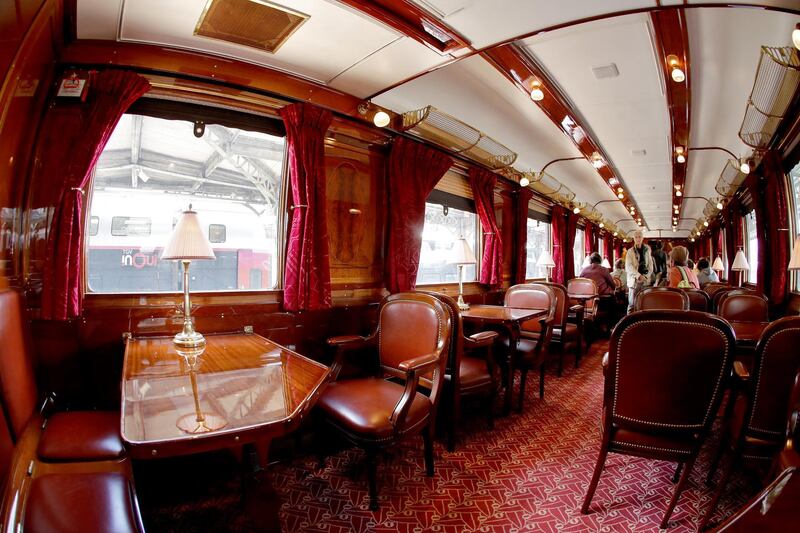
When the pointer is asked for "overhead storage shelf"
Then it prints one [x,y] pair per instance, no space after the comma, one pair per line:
[729,179]
[777,78]
[450,133]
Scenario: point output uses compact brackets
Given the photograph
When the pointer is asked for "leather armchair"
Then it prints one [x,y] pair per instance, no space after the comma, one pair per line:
[717,294]
[748,313]
[566,335]
[698,300]
[471,369]
[755,428]
[666,298]
[660,398]
[412,342]
[530,353]
[590,306]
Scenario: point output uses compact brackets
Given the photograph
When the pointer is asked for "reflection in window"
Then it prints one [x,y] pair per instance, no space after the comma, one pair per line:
[578,251]
[150,171]
[538,241]
[438,237]
[751,239]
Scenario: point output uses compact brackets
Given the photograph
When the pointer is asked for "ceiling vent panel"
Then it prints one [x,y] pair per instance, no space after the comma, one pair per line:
[255,23]
[605,71]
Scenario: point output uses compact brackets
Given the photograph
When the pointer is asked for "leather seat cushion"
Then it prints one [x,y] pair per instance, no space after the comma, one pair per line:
[363,406]
[81,436]
[81,502]
[571,333]
[473,372]
[649,444]
[748,332]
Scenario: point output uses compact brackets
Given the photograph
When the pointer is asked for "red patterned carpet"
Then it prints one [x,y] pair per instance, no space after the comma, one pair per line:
[530,474]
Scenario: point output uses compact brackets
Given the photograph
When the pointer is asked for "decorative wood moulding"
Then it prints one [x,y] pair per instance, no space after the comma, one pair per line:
[672,46]
[414,22]
[521,70]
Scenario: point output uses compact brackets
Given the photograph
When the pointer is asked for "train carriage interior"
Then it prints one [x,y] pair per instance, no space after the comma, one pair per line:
[399,265]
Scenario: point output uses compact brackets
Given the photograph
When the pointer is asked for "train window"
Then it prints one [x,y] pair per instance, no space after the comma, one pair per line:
[94,226]
[794,182]
[443,226]
[538,241]
[578,251]
[751,241]
[216,233]
[150,171]
[125,226]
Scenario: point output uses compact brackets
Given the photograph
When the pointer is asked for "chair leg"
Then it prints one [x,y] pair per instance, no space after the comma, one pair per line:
[541,381]
[451,424]
[681,484]
[726,475]
[427,439]
[490,407]
[372,473]
[598,469]
[523,378]
[677,473]
[560,361]
[712,469]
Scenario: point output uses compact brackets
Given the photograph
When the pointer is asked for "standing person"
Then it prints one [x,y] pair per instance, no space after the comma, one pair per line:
[639,266]
[599,274]
[659,261]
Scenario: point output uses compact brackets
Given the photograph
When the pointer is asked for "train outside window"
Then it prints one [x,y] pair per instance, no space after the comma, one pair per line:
[794,179]
[578,251]
[751,239]
[150,171]
[443,227]
[538,241]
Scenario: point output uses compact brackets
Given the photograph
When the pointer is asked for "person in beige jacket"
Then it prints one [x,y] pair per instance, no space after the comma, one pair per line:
[639,267]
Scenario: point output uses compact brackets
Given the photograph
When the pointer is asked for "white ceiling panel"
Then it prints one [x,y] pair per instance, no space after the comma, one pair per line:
[98,19]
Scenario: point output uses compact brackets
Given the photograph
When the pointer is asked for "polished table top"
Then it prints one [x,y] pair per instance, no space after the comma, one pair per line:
[239,388]
[500,314]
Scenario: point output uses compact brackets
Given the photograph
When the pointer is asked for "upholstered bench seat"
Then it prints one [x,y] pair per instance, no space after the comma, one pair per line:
[81,436]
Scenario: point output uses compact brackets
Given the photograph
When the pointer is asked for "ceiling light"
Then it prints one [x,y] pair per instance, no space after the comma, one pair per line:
[615,234]
[524,181]
[681,158]
[620,195]
[796,36]
[576,210]
[679,154]
[678,193]
[705,223]
[597,160]
[677,74]
[537,95]
[692,239]
[381,119]
[719,205]
[613,181]
[602,225]
[674,228]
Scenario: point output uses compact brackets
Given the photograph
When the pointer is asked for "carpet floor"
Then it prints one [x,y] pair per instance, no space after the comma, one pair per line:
[529,474]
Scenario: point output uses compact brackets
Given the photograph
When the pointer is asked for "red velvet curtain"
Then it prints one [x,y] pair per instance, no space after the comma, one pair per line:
[776,217]
[569,245]
[79,143]
[483,182]
[608,248]
[414,169]
[589,233]
[558,227]
[524,195]
[307,276]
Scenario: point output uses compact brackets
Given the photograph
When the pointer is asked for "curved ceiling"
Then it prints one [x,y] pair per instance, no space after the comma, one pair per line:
[627,115]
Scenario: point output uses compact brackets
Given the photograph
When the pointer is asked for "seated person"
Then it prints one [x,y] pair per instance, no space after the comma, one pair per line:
[705,274]
[679,274]
[599,274]
[619,272]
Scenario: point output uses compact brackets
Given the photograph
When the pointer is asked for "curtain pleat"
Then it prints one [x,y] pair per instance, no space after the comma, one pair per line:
[589,233]
[569,246]
[483,183]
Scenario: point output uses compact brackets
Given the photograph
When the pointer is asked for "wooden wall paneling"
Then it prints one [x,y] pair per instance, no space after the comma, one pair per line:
[16,17]
[22,95]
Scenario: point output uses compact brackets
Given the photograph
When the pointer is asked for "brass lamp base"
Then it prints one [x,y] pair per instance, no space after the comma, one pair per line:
[462,304]
[189,339]
[205,423]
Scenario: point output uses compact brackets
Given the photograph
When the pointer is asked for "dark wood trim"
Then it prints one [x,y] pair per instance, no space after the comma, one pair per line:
[451,200]
[410,20]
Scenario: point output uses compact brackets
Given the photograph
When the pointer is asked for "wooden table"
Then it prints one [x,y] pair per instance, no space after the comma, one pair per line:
[510,318]
[239,389]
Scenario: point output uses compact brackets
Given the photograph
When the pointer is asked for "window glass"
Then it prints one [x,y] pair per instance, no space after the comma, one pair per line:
[794,181]
[538,241]
[578,251]
[751,239]
[150,171]
[439,238]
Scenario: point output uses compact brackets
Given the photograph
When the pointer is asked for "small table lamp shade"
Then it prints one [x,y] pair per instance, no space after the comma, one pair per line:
[718,264]
[545,260]
[605,263]
[188,240]
[794,260]
[740,262]
[462,254]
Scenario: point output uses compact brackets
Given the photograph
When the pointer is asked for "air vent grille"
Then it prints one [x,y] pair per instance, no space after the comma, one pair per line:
[255,23]
[605,71]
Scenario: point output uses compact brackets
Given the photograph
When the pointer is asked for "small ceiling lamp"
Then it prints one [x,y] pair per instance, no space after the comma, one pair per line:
[613,181]
[537,95]
[620,195]
[674,229]
[576,210]
[745,167]
[719,205]
[677,74]
[692,239]
[680,155]
[524,181]
[796,36]
[597,160]
[705,223]
[616,233]
[602,225]
[678,193]
[381,119]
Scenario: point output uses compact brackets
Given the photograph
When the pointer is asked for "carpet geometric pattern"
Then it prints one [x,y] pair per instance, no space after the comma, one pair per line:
[529,474]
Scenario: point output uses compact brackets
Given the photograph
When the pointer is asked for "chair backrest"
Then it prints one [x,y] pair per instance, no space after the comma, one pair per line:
[456,349]
[17,382]
[713,286]
[743,306]
[698,300]
[666,372]
[583,287]
[777,362]
[411,324]
[532,296]
[717,295]
[666,298]
[561,312]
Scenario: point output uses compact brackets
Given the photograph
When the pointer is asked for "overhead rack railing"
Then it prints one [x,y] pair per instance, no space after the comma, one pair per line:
[776,81]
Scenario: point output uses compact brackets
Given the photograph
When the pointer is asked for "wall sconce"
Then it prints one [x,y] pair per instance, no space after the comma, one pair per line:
[381,118]
[524,181]
[677,73]
[576,210]
[747,166]
[537,95]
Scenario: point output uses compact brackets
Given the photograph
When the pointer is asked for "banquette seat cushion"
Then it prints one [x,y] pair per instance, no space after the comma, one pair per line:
[81,436]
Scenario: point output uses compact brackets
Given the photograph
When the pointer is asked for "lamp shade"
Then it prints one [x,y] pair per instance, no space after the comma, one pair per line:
[740,262]
[718,264]
[605,263]
[794,260]
[461,253]
[188,240]
[545,260]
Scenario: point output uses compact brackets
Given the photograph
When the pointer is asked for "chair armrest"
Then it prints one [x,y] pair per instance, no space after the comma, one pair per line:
[605,363]
[480,340]
[343,344]
[417,363]
[741,371]
[576,308]
[411,367]
[347,341]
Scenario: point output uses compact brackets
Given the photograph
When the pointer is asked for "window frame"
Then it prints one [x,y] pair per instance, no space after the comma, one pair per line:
[746,229]
[539,218]
[794,221]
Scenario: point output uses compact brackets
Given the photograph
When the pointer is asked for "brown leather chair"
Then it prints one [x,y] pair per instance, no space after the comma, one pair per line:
[698,300]
[645,412]
[748,313]
[412,340]
[530,353]
[665,298]
[565,335]
[717,294]
[584,287]
[471,369]
[712,287]
[757,423]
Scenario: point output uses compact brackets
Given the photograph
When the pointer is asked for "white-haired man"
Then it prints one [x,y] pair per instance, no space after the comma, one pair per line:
[639,267]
